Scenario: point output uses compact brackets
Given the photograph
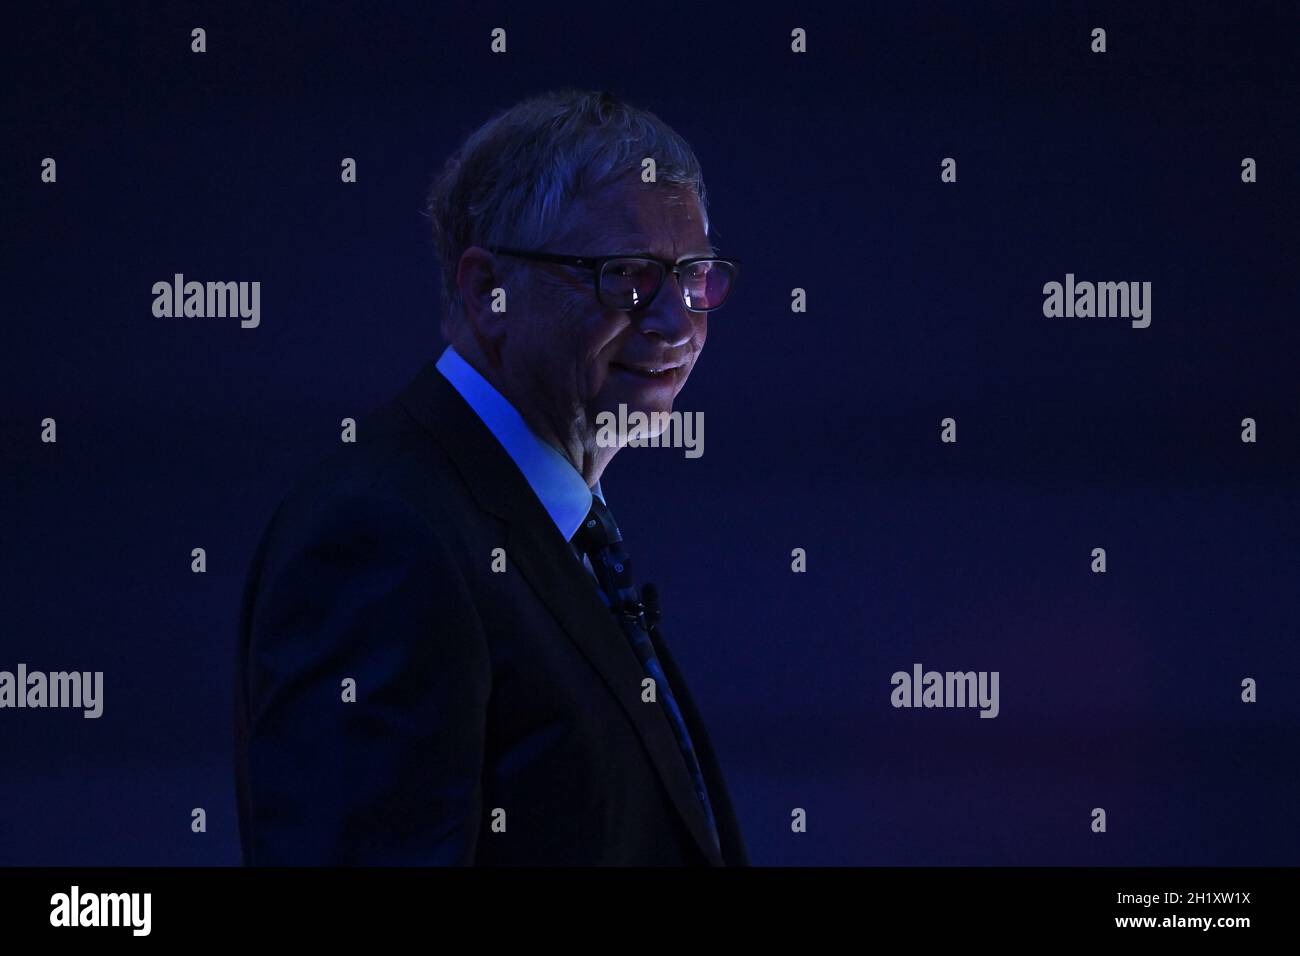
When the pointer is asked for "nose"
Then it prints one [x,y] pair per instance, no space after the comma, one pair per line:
[668,317]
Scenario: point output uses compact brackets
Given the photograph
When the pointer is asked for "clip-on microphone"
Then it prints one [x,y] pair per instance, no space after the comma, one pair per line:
[650,603]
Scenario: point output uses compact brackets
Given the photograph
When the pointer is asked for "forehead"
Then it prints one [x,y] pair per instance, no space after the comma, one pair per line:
[631,216]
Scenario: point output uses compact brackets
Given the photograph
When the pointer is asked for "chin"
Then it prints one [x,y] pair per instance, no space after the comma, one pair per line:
[642,400]
[643,393]
[632,401]
[623,406]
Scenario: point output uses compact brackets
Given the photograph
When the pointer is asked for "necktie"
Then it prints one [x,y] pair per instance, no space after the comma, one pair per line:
[600,539]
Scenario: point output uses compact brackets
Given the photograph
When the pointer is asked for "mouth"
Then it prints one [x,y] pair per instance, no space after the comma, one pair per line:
[649,372]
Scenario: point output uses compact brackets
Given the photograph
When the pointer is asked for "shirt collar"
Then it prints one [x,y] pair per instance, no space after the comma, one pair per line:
[558,485]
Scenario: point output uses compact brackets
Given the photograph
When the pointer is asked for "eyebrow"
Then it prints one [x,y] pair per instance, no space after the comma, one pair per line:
[608,238]
[645,254]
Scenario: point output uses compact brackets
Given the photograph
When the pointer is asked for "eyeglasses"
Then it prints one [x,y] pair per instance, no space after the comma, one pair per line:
[631,282]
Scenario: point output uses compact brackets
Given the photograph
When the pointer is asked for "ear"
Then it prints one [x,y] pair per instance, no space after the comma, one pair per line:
[477,278]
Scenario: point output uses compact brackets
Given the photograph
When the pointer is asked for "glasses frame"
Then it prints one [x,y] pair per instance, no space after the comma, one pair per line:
[597,265]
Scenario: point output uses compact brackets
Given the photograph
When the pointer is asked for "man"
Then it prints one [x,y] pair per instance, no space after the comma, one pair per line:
[443,657]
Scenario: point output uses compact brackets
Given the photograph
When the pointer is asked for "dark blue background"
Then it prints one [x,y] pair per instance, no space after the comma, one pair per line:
[1118,690]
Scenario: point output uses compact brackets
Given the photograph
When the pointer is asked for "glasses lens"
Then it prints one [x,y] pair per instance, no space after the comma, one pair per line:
[705,284]
[630,283]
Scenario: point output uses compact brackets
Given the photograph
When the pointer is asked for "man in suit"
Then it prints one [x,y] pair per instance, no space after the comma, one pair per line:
[443,656]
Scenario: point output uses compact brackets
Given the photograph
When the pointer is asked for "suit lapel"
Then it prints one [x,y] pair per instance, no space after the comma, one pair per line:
[733,843]
[543,557]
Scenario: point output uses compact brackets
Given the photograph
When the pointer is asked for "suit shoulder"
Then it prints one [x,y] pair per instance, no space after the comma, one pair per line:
[395,477]
[393,458]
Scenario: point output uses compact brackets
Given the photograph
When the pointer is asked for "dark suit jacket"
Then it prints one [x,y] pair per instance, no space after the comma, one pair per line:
[474,690]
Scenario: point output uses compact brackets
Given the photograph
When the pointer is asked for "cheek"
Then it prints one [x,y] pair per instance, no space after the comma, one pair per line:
[603,339]
[554,330]
[585,346]
[595,362]
[698,339]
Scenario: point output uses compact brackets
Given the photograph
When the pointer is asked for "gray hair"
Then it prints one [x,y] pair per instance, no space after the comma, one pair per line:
[513,179]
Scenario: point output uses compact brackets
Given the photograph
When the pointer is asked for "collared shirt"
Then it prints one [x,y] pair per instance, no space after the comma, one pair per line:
[558,485]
